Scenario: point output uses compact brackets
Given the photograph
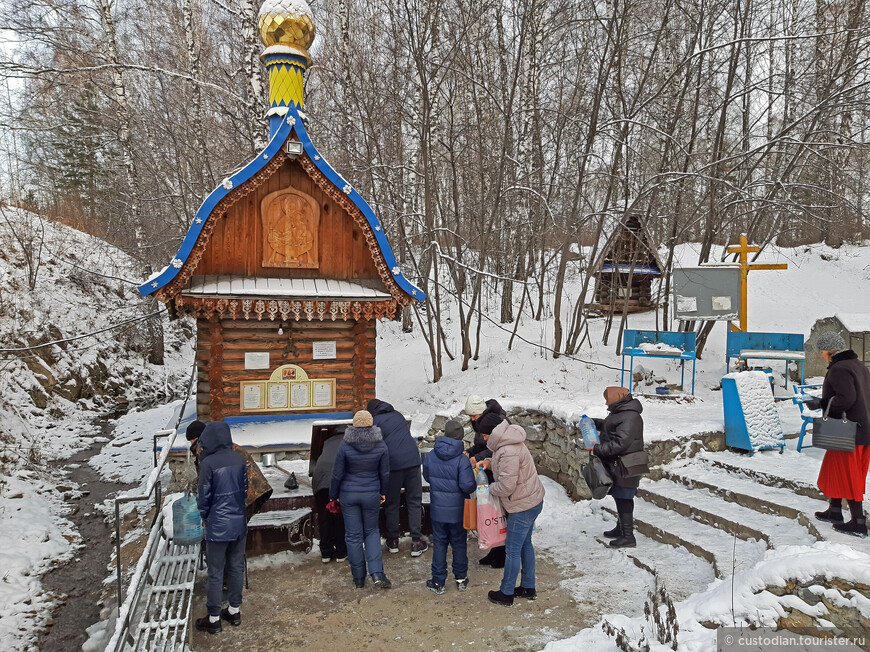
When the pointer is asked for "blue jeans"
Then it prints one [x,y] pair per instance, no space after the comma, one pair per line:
[361,510]
[457,537]
[519,550]
[221,555]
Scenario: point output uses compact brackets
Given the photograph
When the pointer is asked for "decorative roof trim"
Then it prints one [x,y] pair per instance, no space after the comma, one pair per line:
[294,121]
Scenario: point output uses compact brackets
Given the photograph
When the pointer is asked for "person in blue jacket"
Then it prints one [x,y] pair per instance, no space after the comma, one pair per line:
[360,477]
[404,474]
[450,479]
[221,493]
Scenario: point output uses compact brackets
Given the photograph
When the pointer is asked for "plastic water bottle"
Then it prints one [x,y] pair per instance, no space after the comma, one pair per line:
[482,488]
[589,431]
[186,521]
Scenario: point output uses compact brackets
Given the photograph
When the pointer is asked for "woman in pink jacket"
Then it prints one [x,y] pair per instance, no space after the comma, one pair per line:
[521,493]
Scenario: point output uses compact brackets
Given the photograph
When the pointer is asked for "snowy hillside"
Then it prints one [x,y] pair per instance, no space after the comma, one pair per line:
[65,363]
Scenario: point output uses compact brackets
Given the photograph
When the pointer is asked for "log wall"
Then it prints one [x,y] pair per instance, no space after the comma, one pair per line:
[220,356]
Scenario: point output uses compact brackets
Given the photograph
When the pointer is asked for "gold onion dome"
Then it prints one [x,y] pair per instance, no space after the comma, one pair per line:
[286,22]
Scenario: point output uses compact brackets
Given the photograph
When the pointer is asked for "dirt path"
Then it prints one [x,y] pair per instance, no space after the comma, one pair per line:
[79,581]
[314,606]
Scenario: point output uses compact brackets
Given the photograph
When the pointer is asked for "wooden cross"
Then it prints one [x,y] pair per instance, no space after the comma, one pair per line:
[745,266]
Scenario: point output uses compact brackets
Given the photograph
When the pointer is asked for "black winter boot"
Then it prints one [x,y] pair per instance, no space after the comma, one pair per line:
[498,557]
[834,513]
[626,538]
[615,532]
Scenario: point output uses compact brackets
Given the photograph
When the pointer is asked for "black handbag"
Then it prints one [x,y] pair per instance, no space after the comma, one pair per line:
[834,434]
[597,477]
[632,465]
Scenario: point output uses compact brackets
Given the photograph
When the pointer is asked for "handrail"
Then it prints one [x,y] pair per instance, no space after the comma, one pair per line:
[152,486]
[126,610]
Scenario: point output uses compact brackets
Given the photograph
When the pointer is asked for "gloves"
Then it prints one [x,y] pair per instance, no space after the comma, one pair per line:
[333,507]
[813,403]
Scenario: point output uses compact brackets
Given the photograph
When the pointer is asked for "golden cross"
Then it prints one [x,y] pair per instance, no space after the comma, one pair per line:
[745,266]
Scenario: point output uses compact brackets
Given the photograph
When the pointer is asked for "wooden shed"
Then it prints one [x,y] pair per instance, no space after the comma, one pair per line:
[285,269]
[627,265]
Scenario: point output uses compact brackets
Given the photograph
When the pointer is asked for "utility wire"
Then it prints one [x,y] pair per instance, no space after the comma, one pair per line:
[84,335]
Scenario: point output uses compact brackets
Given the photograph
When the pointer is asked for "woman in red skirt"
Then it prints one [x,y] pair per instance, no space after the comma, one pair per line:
[844,475]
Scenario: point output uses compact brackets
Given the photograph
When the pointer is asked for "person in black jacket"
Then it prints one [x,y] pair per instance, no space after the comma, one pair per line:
[621,432]
[360,477]
[485,416]
[404,474]
[331,525]
[845,392]
[221,493]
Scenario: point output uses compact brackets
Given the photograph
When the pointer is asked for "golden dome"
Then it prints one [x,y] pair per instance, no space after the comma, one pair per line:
[286,22]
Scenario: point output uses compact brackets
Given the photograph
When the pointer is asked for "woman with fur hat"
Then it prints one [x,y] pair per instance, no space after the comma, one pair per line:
[360,479]
[845,392]
[519,488]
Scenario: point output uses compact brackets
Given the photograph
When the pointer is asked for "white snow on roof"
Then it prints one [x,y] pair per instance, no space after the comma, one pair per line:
[319,288]
[855,322]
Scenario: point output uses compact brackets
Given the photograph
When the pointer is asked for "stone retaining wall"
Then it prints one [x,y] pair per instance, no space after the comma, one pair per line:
[551,442]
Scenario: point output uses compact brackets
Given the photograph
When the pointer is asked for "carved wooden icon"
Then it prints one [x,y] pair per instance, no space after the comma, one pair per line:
[291,220]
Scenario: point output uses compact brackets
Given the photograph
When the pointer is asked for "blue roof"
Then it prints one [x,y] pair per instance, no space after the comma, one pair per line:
[292,121]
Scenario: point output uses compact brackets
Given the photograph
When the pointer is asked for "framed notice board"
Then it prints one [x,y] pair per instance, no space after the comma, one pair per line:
[707,293]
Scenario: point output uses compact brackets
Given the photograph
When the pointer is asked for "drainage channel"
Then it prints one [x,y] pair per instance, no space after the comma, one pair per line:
[78,583]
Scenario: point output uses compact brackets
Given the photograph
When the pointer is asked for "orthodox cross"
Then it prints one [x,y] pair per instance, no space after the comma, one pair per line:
[745,266]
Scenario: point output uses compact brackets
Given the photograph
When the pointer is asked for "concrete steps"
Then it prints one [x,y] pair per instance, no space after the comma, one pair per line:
[721,550]
[707,506]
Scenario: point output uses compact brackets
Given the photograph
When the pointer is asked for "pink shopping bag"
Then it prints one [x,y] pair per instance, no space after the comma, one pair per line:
[491,524]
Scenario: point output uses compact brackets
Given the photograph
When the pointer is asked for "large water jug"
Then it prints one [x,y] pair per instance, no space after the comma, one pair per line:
[589,431]
[186,521]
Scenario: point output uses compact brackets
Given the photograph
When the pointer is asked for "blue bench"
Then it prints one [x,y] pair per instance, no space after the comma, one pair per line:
[801,394]
[659,344]
[765,346]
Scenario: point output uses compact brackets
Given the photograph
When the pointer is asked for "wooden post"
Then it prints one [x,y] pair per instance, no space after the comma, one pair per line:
[360,328]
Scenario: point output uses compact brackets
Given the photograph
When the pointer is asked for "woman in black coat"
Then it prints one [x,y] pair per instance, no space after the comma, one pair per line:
[846,391]
[621,432]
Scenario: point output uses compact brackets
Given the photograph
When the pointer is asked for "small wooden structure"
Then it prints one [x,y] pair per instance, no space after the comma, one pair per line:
[285,267]
[855,329]
[626,267]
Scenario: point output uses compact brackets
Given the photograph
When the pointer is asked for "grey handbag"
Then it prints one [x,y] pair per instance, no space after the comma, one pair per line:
[834,434]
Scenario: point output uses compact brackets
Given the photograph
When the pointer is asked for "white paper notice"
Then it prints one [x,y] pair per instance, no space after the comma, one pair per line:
[322,394]
[324,350]
[278,395]
[256,360]
[300,395]
[721,303]
[253,399]
[687,304]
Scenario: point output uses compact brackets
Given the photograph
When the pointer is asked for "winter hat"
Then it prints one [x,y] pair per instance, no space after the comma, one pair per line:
[453,430]
[615,394]
[831,341]
[194,430]
[362,419]
[474,405]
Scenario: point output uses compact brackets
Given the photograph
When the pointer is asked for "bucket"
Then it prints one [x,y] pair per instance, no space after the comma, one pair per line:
[663,391]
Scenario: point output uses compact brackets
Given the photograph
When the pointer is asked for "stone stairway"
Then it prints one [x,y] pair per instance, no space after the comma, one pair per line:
[710,516]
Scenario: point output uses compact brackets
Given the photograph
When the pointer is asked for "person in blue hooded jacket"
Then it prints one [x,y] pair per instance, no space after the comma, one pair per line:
[450,479]
[360,477]
[404,474]
[221,494]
